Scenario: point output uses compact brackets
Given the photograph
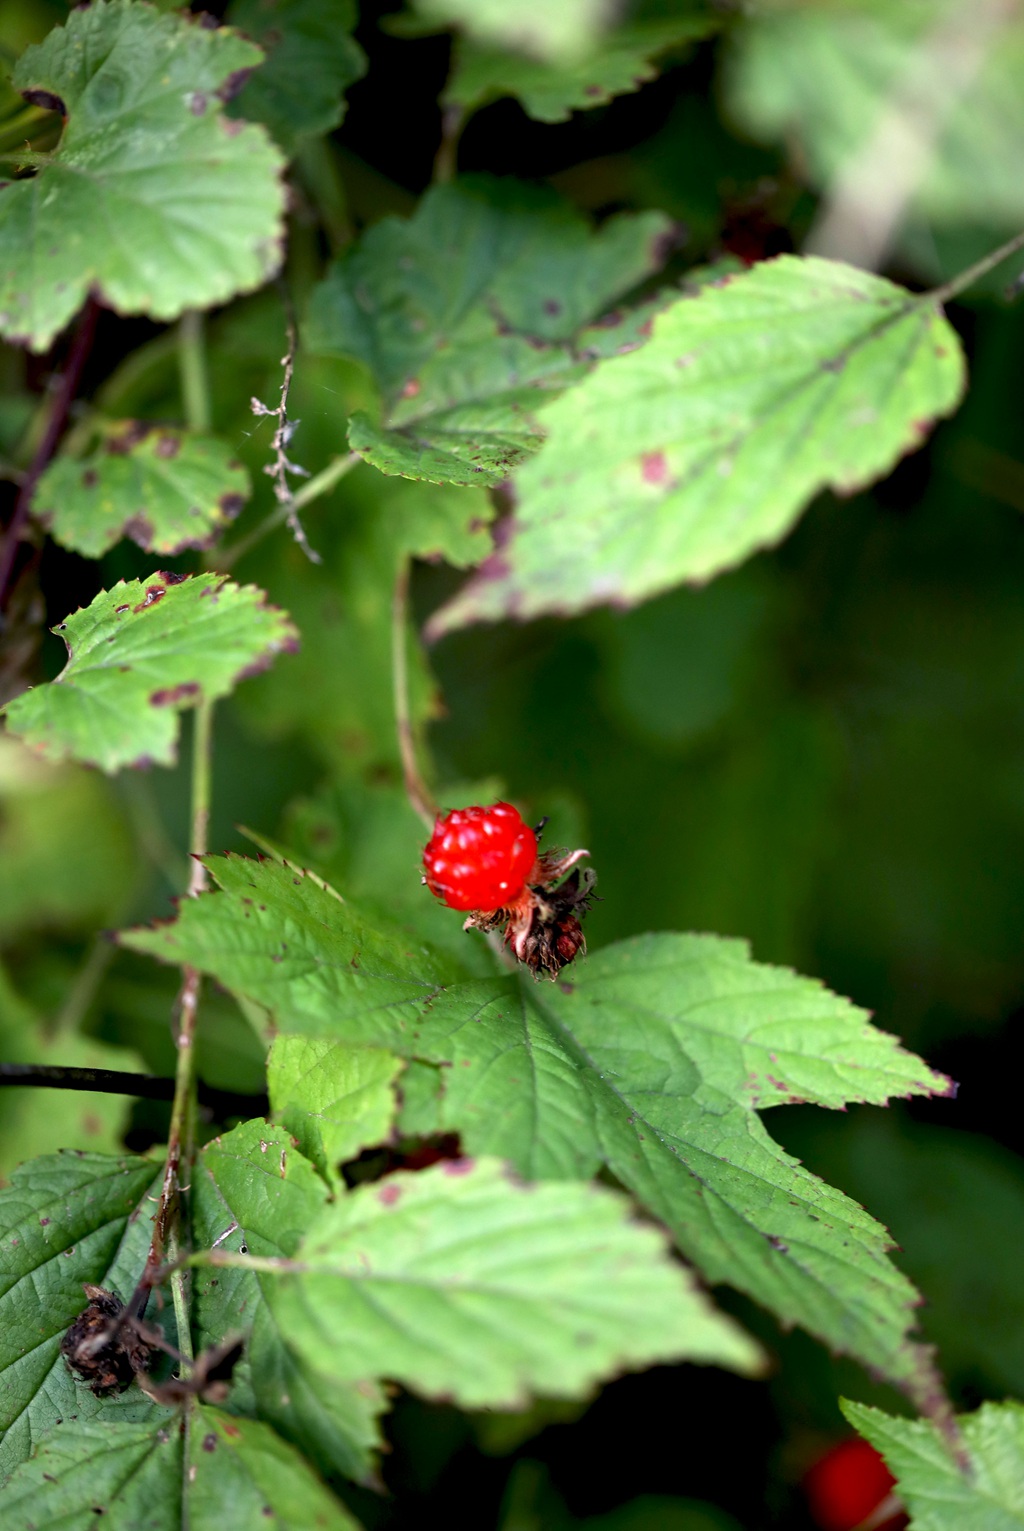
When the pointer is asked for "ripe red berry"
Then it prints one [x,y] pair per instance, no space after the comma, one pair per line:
[479,858]
[849,1484]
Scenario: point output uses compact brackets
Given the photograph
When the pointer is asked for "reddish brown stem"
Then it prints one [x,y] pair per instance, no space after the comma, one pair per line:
[63,399]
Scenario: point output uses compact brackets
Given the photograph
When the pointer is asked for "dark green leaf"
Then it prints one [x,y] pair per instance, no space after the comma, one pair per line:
[939,1494]
[623,61]
[681,460]
[168,490]
[469,313]
[153,198]
[239,1474]
[139,654]
[65,1219]
[253,1192]
[652,1060]
[311,60]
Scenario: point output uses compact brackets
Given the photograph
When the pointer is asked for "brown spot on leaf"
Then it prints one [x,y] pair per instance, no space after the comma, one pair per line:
[90,478]
[153,594]
[210,1442]
[458,1166]
[231,505]
[170,696]
[234,83]
[411,388]
[197,103]
[167,445]
[389,1194]
[134,432]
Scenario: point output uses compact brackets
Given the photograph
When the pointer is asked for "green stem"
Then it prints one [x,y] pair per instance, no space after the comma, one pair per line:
[83,989]
[321,484]
[195,382]
[416,789]
[958,284]
[453,120]
[167,1237]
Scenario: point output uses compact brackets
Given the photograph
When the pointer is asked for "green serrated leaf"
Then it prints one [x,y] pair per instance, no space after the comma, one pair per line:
[252,1191]
[166,489]
[65,1219]
[651,1060]
[153,199]
[239,1473]
[939,1494]
[334,1100]
[682,459]
[623,61]
[468,314]
[311,61]
[242,1470]
[138,655]
[460,1282]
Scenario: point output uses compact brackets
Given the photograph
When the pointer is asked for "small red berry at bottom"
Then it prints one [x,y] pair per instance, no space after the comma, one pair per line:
[848,1485]
[480,858]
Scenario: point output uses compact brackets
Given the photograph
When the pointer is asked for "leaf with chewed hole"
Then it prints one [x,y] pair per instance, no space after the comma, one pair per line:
[153,199]
[166,489]
[653,1057]
[137,655]
[334,1100]
[680,460]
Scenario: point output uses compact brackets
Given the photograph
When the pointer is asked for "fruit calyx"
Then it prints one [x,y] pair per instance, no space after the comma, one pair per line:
[485,861]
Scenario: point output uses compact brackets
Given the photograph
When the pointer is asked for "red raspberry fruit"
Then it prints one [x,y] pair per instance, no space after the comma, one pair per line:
[849,1486]
[479,858]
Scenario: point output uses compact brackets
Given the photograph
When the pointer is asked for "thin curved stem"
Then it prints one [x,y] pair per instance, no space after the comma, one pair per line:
[321,484]
[195,380]
[958,284]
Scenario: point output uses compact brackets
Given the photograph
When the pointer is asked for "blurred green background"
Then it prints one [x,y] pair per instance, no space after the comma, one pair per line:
[823,751]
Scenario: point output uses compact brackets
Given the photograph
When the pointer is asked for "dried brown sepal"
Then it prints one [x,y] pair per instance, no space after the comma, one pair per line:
[107,1346]
[209,1379]
[542,927]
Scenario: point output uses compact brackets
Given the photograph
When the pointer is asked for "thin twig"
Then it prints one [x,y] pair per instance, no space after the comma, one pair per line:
[63,397]
[53,1076]
[958,284]
[320,484]
[416,789]
[281,467]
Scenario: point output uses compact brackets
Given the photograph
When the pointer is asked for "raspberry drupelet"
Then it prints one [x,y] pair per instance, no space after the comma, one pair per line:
[485,861]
